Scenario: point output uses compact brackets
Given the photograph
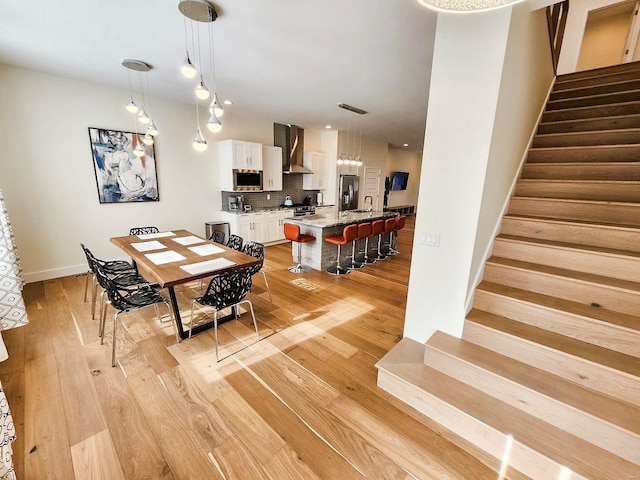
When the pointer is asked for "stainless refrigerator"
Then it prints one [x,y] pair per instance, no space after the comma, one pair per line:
[349,192]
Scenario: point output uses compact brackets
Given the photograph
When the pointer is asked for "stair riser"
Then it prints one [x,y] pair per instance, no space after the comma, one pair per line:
[607,192]
[623,214]
[597,263]
[599,75]
[595,112]
[590,125]
[585,155]
[604,99]
[581,328]
[608,297]
[582,171]
[586,82]
[587,427]
[590,375]
[588,90]
[490,440]
[582,234]
[613,137]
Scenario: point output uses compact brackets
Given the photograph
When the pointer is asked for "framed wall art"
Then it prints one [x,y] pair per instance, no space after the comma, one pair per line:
[121,176]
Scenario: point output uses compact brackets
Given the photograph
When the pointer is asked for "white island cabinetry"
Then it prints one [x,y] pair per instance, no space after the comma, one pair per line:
[261,227]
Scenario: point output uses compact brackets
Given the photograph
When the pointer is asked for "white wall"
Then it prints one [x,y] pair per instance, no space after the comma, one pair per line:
[470,129]
[47,176]
[403,161]
[526,79]
[574,31]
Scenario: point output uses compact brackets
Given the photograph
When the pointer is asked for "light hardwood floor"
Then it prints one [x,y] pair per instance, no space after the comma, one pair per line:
[300,403]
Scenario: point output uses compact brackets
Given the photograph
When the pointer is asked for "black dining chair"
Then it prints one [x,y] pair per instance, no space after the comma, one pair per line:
[256,250]
[235,242]
[143,230]
[129,301]
[224,291]
[110,267]
[218,236]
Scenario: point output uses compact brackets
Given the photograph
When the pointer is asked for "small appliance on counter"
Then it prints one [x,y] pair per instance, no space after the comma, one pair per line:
[287,201]
[247,208]
[319,199]
[236,203]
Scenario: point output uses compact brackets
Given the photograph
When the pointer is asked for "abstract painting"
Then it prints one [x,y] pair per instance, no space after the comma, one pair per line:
[121,176]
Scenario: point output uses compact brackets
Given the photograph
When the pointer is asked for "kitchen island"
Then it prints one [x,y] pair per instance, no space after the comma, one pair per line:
[319,254]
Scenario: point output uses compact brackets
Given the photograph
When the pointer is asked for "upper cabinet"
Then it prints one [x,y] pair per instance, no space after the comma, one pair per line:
[318,163]
[272,171]
[240,155]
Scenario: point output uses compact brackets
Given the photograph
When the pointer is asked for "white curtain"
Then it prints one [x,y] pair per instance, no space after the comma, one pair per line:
[12,309]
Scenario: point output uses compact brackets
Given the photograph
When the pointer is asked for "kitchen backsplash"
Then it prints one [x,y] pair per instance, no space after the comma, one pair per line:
[291,185]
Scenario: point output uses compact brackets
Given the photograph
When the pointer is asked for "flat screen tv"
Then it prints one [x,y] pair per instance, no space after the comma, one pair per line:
[399,180]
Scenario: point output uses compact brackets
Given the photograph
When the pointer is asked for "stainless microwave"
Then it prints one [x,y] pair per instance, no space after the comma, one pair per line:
[247,180]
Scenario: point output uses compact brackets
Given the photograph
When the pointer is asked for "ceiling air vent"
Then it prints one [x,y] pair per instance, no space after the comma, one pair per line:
[352,109]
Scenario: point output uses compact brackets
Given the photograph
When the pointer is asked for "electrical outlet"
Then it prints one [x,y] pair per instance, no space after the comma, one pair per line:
[268,196]
[430,239]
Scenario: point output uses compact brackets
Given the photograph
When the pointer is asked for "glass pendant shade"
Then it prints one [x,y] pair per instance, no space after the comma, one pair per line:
[466,6]
[199,143]
[213,124]
[138,151]
[202,92]
[147,139]
[215,107]
[131,105]
[143,117]
[152,129]
[188,69]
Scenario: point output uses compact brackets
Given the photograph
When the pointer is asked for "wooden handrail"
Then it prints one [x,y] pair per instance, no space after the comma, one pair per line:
[556,21]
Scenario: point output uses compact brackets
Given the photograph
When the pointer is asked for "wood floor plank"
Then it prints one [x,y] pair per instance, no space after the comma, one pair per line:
[287,465]
[138,452]
[95,458]
[179,444]
[236,461]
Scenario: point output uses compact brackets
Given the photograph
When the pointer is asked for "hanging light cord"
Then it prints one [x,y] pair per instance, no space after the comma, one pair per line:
[213,62]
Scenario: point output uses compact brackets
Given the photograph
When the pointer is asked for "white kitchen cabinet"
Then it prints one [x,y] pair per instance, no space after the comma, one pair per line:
[272,169]
[273,226]
[250,226]
[317,162]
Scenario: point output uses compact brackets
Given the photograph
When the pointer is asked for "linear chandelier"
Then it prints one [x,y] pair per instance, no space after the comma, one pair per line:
[466,6]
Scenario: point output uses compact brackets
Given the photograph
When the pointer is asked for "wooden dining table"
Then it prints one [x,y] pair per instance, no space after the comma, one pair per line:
[178,256]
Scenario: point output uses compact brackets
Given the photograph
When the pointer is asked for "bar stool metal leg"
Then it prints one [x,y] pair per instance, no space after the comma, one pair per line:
[338,269]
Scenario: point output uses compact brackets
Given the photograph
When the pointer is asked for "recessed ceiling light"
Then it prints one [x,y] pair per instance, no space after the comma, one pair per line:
[327,126]
[228,102]
[406,145]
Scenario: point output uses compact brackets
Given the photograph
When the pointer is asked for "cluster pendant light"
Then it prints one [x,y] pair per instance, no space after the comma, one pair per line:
[201,11]
[140,112]
[466,6]
[351,158]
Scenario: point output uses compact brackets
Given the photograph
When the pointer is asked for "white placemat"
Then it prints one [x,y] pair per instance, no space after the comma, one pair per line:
[161,258]
[149,236]
[190,240]
[207,249]
[146,246]
[207,266]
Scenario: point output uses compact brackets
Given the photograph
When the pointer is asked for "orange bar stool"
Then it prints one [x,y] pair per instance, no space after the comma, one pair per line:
[364,229]
[292,232]
[389,228]
[367,258]
[377,228]
[349,234]
[400,223]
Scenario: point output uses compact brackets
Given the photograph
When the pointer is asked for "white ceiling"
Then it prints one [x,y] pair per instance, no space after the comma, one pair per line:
[291,61]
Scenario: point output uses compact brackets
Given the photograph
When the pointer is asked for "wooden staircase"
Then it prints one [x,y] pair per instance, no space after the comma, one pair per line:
[546,376]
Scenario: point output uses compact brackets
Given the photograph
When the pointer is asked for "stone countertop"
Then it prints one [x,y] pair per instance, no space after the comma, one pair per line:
[270,209]
[340,218]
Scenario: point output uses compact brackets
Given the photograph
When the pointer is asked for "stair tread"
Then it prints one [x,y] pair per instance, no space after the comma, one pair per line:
[614,226]
[589,132]
[581,164]
[588,147]
[594,96]
[589,119]
[580,201]
[564,448]
[589,181]
[584,88]
[587,107]
[587,351]
[599,72]
[571,246]
[623,320]
[596,404]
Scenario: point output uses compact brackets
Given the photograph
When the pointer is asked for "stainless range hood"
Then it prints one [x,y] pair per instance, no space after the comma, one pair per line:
[291,139]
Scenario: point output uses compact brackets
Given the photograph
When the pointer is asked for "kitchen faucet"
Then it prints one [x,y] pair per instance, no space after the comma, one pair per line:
[370,202]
